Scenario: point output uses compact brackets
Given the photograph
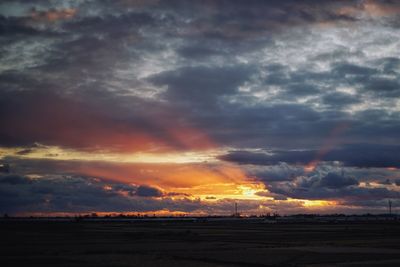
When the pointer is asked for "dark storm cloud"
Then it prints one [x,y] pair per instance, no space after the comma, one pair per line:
[356,155]
[330,185]
[80,194]
[371,79]
[14,179]
[198,52]
[372,203]
[381,79]
[12,27]
[384,87]
[255,126]
[300,89]
[95,43]
[334,180]
[342,69]
[390,65]
[340,99]
[275,173]
[114,25]
[330,180]
[148,191]
[235,20]
[202,85]
[295,126]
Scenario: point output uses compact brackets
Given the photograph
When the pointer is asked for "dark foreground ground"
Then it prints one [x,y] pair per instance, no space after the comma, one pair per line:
[198,244]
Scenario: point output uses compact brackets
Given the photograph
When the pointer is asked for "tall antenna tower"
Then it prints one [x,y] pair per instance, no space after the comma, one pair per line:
[236,210]
[390,206]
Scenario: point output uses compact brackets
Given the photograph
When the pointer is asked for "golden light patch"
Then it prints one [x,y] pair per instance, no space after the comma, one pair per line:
[310,167]
[58,153]
[317,203]
[213,192]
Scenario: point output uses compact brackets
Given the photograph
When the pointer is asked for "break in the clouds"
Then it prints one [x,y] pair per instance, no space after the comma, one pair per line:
[285,105]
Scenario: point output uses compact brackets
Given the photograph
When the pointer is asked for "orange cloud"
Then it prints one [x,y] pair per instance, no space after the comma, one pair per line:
[167,176]
[191,138]
[379,8]
[60,121]
[219,180]
[372,8]
[53,15]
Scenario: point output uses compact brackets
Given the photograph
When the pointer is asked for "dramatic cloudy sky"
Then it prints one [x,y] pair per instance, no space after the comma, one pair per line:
[178,106]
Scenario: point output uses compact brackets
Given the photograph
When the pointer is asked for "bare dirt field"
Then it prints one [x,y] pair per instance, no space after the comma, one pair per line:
[240,243]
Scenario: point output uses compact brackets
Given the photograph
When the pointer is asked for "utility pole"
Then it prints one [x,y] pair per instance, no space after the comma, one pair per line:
[236,210]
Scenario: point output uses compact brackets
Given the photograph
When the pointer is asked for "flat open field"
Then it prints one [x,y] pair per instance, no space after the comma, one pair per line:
[233,243]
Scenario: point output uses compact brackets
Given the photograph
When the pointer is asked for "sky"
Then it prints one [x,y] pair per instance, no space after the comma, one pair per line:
[174,107]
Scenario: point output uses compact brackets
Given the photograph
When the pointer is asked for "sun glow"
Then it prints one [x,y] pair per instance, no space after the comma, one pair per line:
[212,192]
[317,203]
[58,153]
[194,175]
